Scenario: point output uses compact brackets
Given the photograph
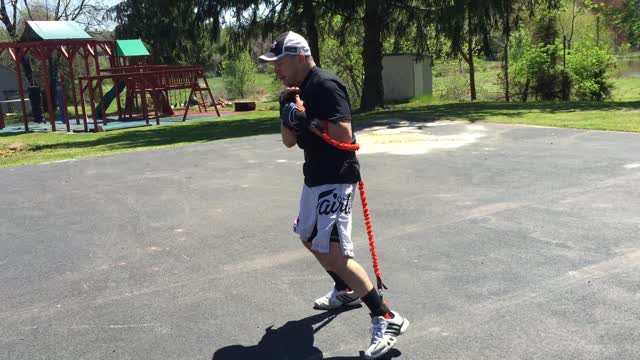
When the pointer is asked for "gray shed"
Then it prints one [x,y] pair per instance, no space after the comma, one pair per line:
[406,76]
[9,89]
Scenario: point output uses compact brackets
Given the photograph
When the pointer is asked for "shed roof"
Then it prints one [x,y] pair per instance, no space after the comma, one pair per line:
[131,48]
[54,30]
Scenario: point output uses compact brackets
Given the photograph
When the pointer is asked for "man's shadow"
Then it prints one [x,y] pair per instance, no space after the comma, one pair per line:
[292,341]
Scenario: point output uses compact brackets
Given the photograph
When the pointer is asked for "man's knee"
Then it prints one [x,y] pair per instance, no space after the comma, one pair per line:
[336,260]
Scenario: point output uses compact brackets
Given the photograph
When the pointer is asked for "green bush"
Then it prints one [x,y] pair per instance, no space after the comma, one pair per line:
[537,69]
[239,75]
[588,66]
[342,56]
[531,72]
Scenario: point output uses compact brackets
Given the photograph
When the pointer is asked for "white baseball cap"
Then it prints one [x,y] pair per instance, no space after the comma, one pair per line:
[288,43]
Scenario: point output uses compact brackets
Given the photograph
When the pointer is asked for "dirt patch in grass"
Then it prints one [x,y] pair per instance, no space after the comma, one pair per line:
[14,149]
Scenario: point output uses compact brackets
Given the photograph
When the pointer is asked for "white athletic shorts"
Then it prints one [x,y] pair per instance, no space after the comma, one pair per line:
[325,216]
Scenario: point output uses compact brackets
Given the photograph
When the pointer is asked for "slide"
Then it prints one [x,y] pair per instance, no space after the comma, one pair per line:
[109,97]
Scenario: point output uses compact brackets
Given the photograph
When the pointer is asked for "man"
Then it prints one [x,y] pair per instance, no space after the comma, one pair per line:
[330,179]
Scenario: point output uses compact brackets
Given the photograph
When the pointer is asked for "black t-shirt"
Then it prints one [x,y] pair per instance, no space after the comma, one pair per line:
[326,98]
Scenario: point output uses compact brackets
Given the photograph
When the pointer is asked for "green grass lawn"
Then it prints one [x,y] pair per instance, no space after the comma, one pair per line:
[43,147]
[626,89]
[615,116]
[620,114]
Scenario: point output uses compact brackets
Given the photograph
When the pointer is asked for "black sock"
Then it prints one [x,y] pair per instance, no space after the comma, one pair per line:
[375,304]
[340,284]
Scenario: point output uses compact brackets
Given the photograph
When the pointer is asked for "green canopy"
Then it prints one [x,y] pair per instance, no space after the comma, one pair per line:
[54,30]
[131,48]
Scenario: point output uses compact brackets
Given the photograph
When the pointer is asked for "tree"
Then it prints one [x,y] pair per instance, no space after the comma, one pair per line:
[372,88]
[508,14]
[259,19]
[386,18]
[588,64]
[462,23]
[628,18]
[239,75]
[170,28]
[507,11]
[342,52]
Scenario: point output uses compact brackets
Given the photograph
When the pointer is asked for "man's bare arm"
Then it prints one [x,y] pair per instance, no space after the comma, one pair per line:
[288,136]
[341,131]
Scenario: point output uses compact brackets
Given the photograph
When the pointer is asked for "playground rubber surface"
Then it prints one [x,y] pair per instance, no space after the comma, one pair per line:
[496,241]
[114,124]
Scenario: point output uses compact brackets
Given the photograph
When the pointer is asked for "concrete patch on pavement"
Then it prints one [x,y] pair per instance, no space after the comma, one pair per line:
[411,139]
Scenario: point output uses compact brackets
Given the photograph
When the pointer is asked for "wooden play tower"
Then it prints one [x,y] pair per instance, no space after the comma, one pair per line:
[130,69]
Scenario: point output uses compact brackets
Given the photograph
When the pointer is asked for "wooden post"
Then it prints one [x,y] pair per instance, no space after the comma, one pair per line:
[63,111]
[102,104]
[73,89]
[47,88]
[84,108]
[145,114]
[17,57]
[92,104]
[186,109]
[1,118]
[116,87]
[211,95]
[154,97]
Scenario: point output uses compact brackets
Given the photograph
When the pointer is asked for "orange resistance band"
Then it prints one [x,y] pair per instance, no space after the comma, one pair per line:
[363,198]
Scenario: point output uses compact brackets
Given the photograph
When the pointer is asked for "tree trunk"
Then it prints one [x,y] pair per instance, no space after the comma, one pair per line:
[525,93]
[507,95]
[309,15]
[372,88]
[507,36]
[472,70]
[486,47]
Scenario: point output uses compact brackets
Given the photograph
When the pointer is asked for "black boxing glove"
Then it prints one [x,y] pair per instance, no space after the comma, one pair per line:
[287,97]
[293,118]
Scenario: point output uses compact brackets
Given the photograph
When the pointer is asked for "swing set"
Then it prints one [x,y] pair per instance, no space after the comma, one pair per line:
[148,87]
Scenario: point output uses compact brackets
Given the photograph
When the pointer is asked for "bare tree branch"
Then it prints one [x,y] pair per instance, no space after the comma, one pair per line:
[26,5]
[65,14]
[14,3]
[5,18]
[57,14]
[78,10]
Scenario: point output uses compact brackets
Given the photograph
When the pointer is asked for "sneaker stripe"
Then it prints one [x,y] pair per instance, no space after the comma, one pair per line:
[345,298]
[393,329]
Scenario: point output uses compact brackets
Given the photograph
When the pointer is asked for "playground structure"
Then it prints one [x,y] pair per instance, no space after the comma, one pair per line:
[130,70]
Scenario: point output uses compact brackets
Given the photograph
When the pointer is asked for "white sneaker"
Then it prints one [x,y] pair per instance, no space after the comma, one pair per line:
[336,298]
[384,333]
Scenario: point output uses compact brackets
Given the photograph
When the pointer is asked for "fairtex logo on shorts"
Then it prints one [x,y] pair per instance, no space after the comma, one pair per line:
[334,203]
